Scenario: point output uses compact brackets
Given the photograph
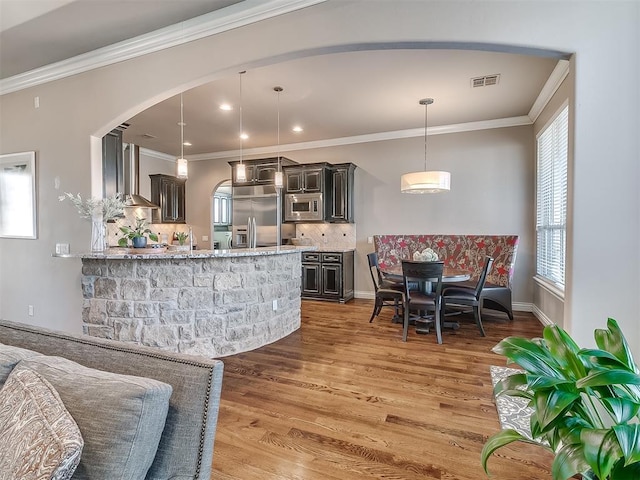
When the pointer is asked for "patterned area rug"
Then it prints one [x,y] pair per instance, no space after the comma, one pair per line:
[512,411]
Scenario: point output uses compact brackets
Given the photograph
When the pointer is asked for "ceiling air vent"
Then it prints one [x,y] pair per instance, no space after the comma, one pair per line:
[148,136]
[485,81]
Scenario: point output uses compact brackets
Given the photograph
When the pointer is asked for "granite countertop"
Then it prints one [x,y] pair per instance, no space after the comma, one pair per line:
[128,253]
[337,250]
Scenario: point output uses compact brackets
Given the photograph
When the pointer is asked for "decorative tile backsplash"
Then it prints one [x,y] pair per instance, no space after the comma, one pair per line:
[164,231]
[332,236]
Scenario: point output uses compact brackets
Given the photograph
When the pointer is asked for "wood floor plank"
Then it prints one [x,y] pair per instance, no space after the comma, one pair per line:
[343,398]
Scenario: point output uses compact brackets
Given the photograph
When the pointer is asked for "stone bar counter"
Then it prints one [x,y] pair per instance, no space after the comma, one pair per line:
[204,302]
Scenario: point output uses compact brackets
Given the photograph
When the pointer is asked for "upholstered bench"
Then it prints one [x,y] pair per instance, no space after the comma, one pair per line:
[465,252]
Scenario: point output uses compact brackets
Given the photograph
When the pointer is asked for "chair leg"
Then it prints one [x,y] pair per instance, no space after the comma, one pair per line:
[405,323]
[375,310]
[476,315]
[438,322]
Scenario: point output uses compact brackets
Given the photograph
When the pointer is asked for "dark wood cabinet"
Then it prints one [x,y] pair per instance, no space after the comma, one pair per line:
[258,171]
[168,193]
[311,280]
[112,163]
[328,276]
[339,201]
[309,178]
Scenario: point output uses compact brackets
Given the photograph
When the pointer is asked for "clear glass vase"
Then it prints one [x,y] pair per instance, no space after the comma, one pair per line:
[98,235]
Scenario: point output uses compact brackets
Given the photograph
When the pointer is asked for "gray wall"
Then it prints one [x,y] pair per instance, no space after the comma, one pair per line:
[77,111]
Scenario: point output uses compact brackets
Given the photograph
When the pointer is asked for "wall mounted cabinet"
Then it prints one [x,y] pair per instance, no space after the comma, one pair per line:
[112,163]
[168,193]
[310,178]
[339,201]
[260,171]
[328,276]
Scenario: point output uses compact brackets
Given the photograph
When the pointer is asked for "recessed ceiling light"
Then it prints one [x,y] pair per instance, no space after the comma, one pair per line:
[297,129]
[186,144]
[226,107]
[244,136]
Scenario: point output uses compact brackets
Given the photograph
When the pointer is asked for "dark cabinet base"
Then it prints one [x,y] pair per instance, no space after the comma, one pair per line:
[327,276]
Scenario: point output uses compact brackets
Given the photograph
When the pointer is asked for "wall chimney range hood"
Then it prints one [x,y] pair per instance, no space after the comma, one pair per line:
[132,195]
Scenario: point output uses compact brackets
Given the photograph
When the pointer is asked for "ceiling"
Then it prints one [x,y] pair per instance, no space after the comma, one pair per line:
[331,96]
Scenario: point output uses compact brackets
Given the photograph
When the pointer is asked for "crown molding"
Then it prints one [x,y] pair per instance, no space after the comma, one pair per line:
[234,16]
[159,155]
[552,84]
[373,137]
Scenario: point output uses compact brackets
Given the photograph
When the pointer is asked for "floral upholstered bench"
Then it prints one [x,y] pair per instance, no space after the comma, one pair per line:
[465,252]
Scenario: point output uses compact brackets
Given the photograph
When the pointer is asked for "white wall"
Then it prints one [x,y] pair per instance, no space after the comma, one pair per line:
[606,216]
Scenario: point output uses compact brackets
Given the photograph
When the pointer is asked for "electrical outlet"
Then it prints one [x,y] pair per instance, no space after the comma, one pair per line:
[275,304]
[62,249]
[369,239]
[205,238]
[30,310]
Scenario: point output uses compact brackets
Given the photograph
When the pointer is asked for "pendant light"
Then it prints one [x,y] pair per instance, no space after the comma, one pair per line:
[427,181]
[241,172]
[182,165]
[277,179]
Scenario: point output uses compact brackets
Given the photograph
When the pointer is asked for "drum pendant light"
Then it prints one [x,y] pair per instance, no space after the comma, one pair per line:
[182,165]
[277,179]
[427,181]
[241,172]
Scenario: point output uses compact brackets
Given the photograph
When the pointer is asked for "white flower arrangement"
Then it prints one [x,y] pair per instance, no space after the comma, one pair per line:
[110,207]
[427,255]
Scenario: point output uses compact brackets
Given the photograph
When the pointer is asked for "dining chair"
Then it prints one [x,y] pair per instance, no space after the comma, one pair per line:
[386,294]
[469,296]
[427,276]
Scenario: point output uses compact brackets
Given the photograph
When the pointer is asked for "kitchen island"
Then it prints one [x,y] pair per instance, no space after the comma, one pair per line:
[203,302]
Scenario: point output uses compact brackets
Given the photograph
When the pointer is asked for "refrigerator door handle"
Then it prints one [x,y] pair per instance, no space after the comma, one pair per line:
[254,232]
[249,233]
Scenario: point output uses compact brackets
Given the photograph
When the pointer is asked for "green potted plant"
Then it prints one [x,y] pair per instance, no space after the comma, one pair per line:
[585,403]
[137,235]
[181,237]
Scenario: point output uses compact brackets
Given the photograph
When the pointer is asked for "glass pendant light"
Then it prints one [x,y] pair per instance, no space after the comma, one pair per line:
[241,172]
[277,179]
[182,165]
[427,181]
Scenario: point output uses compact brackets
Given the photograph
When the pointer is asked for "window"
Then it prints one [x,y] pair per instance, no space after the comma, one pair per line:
[551,201]
[221,209]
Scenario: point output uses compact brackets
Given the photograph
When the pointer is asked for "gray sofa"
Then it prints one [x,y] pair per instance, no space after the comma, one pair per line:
[185,450]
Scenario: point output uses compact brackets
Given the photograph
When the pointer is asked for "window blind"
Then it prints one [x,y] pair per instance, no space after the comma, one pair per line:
[551,201]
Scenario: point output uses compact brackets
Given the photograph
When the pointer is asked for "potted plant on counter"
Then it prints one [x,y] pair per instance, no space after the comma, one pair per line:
[585,403]
[182,237]
[137,235]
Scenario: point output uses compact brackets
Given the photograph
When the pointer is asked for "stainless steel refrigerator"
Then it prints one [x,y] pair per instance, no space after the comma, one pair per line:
[257,218]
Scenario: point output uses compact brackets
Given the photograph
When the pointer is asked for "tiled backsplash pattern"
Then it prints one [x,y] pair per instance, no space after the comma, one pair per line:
[164,231]
[332,236]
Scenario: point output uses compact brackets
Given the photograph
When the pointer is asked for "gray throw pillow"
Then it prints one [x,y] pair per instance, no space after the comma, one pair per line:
[40,440]
[9,358]
[121,417]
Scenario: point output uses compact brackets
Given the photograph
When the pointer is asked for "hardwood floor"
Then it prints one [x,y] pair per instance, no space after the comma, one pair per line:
[343,398]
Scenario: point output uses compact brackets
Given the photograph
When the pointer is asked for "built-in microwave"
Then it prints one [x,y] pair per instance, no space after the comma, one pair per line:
[303,207]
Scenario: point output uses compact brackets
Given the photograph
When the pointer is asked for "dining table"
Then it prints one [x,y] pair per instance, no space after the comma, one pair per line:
[393,273]
[449,274]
